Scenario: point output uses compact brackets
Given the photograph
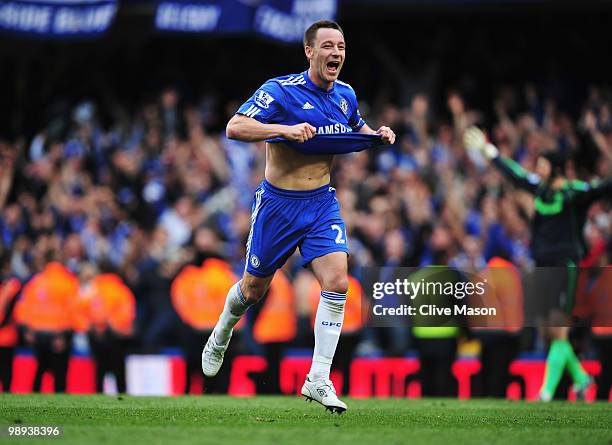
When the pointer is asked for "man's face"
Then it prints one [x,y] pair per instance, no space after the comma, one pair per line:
[326,56]
[543,168]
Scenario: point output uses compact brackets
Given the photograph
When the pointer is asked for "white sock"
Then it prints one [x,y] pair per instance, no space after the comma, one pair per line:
[328,324]
[235,306]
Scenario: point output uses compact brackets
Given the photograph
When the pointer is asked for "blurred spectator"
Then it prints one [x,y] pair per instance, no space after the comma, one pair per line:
[175,222]
[155,270]
[49,313]
[108,309]
[198,295]
[436,336]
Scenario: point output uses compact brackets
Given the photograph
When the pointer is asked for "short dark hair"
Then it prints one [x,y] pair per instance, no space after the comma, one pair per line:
[311,32]
[557,162]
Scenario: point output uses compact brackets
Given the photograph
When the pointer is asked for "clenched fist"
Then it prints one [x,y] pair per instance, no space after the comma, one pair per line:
[299,132]
[388,136]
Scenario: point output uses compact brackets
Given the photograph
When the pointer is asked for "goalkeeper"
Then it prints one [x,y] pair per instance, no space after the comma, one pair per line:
[561,208]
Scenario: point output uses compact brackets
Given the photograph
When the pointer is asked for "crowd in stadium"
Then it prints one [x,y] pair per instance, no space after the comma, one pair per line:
[156,191]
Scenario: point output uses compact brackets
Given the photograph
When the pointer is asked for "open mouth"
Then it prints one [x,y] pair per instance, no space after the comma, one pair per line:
[333,66]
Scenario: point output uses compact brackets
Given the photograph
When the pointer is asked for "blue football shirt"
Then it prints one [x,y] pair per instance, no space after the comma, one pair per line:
[294,99]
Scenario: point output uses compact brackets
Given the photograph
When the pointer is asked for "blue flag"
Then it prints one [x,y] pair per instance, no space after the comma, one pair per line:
[283,20]
[204,16]
[57,18]
[287,20]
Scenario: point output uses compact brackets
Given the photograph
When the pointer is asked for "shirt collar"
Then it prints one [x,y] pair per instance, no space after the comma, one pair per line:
[315,87]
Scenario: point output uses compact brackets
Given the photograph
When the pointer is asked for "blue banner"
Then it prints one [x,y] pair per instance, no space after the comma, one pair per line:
[218,16]
[284,20]
[57,18]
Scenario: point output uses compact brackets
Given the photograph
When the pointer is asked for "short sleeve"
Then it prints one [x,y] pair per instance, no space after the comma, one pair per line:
[266,105]
[355,120]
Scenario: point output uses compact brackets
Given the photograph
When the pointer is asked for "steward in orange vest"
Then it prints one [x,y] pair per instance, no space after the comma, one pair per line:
[48,310]
[108,310]
[198,294]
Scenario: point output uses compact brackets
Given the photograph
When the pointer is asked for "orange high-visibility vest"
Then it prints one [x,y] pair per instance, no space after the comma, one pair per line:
[355,304]
[108,303]
[595,301]
[504,292]
[49,300]
[198,293]
[277,320]
[8,290]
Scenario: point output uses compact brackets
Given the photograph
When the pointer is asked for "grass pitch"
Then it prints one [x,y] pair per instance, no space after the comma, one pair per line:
[221,420]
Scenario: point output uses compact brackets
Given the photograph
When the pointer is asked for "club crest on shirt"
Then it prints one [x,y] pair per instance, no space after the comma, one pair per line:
[255,261]
[263,99]
[344,106]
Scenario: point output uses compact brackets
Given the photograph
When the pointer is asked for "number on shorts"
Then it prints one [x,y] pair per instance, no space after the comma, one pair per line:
[339,239]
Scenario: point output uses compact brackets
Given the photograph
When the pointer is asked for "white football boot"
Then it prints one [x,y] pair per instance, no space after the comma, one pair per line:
[323,391]
[212,356]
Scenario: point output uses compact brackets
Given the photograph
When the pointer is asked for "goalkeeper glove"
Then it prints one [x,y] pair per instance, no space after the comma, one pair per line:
[474,139]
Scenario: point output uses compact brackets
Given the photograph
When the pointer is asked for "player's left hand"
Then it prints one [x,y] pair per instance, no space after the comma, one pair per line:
[388,137]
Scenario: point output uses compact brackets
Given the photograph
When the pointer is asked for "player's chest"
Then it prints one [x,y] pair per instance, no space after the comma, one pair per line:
[319,109]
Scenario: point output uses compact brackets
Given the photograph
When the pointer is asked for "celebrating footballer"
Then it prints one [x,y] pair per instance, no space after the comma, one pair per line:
[305,119]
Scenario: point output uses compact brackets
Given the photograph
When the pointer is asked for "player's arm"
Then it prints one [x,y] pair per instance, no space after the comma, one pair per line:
[593,191]
[261,117]
[601,190]
[365,129]
[517,174]
[474,139]
[248,129]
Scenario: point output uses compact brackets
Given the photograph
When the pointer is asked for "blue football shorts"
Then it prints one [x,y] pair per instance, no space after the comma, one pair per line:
[283,220]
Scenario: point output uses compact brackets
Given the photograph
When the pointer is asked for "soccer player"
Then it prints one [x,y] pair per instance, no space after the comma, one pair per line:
[557,240]
[295,207]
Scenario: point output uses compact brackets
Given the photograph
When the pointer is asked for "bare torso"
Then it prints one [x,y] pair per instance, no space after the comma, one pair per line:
[289,169]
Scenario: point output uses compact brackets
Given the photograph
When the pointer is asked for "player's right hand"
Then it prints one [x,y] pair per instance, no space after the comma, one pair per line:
[474,139]
[300,132]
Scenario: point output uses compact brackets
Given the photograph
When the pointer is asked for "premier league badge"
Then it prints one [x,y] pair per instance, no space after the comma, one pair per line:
[263,99]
